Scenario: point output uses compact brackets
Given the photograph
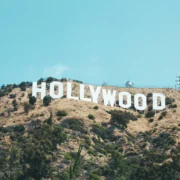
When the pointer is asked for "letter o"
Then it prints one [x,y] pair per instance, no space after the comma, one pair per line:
[121,104]
[60,89]
[136,102]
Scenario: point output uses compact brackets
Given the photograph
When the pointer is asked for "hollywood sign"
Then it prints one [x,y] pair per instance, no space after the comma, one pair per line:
[109,97]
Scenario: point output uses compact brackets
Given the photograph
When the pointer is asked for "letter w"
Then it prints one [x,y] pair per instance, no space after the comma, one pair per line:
[109,98]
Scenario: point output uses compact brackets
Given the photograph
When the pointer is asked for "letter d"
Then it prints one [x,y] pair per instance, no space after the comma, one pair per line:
[155,101]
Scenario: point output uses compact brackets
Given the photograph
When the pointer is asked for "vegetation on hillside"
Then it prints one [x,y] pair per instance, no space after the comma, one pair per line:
[51,144]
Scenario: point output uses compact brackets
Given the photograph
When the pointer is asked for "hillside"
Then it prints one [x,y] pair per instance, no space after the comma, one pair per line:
[70,139]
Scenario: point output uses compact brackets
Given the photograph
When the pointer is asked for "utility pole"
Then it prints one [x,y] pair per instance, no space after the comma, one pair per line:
[177,82]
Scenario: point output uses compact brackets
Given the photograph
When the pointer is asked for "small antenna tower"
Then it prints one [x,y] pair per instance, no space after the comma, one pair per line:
[177,82]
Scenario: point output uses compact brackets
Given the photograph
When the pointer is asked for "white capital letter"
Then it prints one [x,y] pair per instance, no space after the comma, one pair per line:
[41,90]
[69,92]
[121,103]
[136,102]
[60,89]
[95,94]
[109,97]
[82,94]
[155,101]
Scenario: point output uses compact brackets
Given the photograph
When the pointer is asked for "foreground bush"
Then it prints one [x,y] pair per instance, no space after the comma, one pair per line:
[32,100]
[15,105]
[74,124]
[61,113]
[121,118]
[30,156]
[47,100]
[150,114]
[169,100]
[27,107]
[163,114]
[90,116]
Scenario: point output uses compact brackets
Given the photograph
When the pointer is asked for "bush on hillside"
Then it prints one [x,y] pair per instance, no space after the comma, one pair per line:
[27,107]
[19,128]
[50,79]
[163,139]
[22,86]
[61,113]
[103,132]
[47,100]
[49,120]
[150,114]
[96,107]
[151,120]
[12,96]
[163,114]
[169,100]
[74,124]
[63,80]
[40,81]
[32,100]
[2,93]
[15,105]
[173,106]
[90,116]
[121,118]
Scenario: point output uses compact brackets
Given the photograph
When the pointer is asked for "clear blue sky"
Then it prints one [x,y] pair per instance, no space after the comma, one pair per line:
[90,40]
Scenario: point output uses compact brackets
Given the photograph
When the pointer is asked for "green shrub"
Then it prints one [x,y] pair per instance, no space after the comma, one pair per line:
[77,81]
[32,100]
[92,152]
[94,177]
[99,131]
[87,141]
[173,106]
[139,116]
[150,120]
[12,96]
[150,114]
[61,113]
[50,79]
[22,86]
[74,124]
[49,120]
[90,116]
[27,107]
[15,105]
[47,100]
[19,128]
[163,139]
[40,81]
[121,118]
[163,114]
[174,128]
[103,132]
[96,107]
[160,117]
[169,100]
[68,156]
[36,150]
[2,93]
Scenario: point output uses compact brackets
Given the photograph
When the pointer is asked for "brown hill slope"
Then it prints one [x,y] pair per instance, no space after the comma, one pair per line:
[82,109]
[94,126]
